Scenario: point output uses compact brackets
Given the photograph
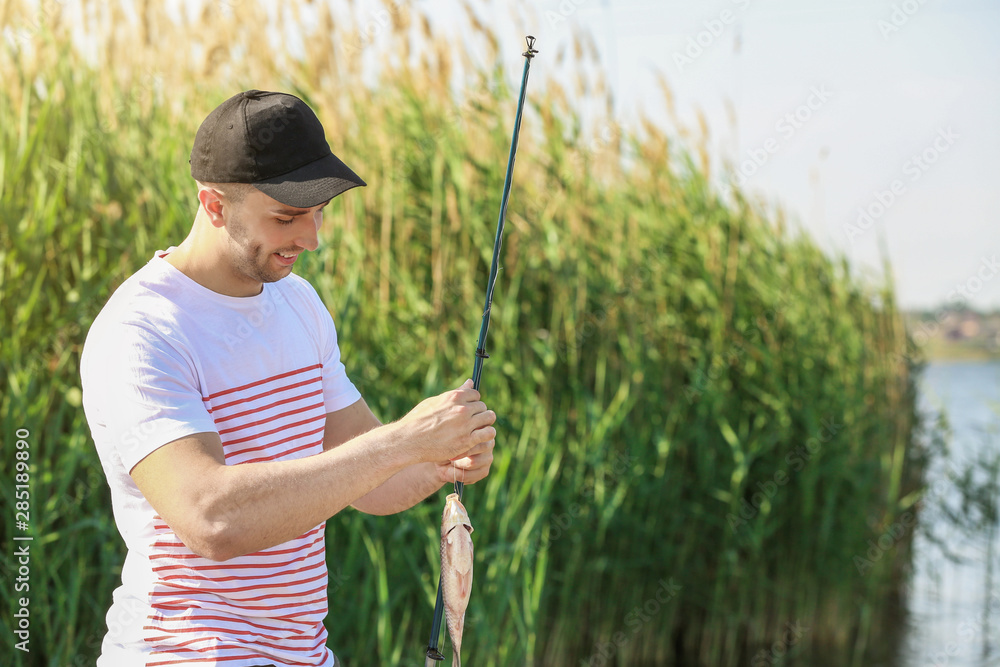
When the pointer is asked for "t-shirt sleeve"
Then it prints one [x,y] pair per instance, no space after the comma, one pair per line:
[338,390]
[144,393]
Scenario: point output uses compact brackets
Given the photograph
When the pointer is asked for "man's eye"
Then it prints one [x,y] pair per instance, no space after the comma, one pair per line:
[284,221]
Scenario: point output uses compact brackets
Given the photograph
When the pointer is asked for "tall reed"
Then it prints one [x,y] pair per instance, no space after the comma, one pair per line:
[664,356]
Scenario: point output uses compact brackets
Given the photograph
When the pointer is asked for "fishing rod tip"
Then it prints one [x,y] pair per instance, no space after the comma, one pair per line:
[530,53]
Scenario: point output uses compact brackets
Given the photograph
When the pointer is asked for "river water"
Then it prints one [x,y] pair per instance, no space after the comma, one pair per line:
[953,612]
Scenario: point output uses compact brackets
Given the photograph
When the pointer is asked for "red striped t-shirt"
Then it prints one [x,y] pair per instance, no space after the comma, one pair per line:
[167,358]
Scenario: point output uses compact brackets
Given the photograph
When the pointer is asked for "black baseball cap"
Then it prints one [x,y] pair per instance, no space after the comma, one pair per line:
[274,142]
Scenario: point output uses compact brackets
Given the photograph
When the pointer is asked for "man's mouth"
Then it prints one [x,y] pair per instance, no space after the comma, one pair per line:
[286,259]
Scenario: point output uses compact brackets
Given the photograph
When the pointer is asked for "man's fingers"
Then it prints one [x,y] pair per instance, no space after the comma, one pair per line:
[478,449]
[474,464]
[467,392]
[484,434]
[464,463]
[476,407]
[485,430]
[484,418]
[470,461]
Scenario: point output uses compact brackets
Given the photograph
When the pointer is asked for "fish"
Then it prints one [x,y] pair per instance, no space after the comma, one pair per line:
[456,569]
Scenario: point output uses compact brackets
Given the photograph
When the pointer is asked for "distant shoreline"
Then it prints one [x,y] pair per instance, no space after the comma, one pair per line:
[939,349]
[955,334]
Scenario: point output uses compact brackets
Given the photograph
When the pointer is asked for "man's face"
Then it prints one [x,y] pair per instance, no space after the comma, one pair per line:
[266,236]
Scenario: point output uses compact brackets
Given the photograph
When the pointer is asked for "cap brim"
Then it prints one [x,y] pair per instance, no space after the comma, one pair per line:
[312,184]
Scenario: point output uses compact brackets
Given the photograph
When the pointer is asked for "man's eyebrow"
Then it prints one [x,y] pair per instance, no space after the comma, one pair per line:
[296,211]
[290,211]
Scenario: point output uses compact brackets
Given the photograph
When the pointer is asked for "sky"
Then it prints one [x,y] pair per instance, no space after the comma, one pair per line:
[872,124]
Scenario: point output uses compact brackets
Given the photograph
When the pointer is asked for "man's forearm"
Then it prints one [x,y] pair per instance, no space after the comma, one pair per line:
[259,505]
[401,491]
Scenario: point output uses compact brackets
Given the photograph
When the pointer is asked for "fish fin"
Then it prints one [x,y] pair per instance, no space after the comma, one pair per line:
[464,580]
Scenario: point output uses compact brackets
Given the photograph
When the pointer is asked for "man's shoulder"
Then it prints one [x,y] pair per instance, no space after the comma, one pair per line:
[145,293]
[143,310]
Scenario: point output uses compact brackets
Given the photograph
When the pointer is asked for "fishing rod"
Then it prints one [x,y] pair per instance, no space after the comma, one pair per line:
[433,653]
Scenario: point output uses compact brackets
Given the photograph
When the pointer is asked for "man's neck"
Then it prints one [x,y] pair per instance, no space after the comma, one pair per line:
[198,258]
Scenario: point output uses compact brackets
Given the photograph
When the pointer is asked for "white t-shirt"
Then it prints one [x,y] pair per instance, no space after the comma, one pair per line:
[167,358]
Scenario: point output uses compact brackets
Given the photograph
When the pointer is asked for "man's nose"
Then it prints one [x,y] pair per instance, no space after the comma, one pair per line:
[308,237]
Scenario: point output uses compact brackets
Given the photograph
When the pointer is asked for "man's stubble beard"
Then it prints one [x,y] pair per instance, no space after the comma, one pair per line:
[246,256]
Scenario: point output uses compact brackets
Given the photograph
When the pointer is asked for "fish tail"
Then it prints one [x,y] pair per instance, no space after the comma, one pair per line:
[457,660]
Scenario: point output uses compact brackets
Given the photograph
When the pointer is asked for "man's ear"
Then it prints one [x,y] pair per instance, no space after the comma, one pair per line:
[211,201]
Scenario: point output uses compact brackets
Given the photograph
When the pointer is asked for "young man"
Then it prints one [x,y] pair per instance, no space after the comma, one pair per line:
[226,423]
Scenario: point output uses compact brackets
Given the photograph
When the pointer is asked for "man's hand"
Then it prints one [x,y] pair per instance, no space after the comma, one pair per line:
[470,467]
[455,425]
[438,424]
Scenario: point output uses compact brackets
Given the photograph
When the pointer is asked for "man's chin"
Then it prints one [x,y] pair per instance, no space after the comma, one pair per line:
[274,270]
[275,276]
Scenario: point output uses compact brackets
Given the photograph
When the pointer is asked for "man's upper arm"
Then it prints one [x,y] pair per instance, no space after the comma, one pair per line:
[177,479]
[140,393]
[348,423]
